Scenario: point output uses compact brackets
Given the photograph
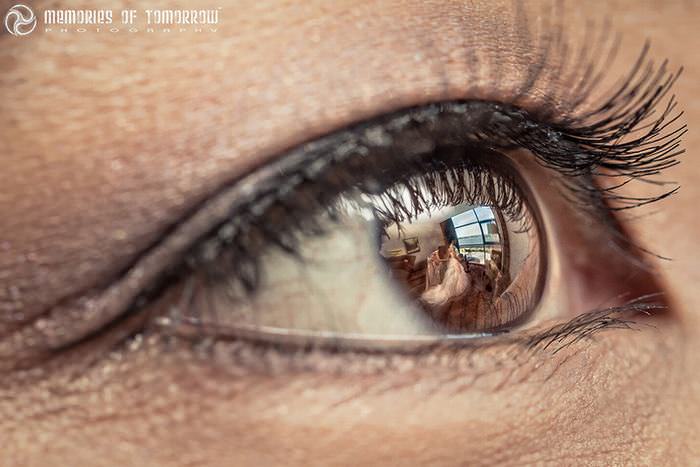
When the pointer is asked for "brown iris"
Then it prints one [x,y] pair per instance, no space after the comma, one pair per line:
[470,268]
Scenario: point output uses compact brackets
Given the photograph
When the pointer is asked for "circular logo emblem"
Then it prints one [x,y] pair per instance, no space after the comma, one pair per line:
[20,20]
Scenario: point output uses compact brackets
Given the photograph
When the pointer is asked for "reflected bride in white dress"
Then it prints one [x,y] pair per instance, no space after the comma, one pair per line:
[435,270]
[454,283]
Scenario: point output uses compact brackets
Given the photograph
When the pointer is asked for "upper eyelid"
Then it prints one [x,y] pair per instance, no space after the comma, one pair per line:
[569,146]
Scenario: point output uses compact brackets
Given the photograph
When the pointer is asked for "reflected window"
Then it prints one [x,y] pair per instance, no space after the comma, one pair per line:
[457,262]
[475,233]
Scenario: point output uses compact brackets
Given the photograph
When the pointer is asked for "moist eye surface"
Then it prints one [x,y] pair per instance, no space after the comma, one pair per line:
[449,250]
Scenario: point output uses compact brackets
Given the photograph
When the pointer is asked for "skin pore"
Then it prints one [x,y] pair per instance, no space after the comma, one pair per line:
[107,139]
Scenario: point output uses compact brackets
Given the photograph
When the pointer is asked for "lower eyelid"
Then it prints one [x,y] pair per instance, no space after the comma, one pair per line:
[253,355]
[486,364]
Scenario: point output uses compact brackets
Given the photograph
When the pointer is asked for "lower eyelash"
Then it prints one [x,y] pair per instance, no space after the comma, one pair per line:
[473,357]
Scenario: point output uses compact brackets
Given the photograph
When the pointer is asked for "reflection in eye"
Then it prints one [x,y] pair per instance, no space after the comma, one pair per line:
[469,267]
[447,251]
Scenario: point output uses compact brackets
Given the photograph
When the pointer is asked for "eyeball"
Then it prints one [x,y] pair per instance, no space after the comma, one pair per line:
[452,252]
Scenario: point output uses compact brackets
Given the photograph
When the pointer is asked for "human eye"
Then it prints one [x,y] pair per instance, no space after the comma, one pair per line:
[456,223]
[463,222]
[351,233]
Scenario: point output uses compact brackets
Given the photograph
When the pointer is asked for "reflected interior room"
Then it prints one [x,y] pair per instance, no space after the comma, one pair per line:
[457,263]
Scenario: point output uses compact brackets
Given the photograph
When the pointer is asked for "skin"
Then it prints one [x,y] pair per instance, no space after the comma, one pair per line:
[108,139]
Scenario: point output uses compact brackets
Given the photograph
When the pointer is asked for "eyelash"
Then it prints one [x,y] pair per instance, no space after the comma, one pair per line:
[320,168]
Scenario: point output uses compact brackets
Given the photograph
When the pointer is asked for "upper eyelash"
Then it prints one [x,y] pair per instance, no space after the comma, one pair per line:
[433,182]
[595,139]
[577,147]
